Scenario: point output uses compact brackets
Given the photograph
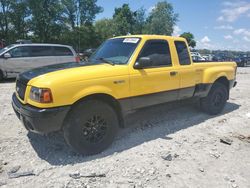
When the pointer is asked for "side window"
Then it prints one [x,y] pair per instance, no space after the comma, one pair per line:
[184,57]
[158,51]
[62,51]
[38,51]
[22,51]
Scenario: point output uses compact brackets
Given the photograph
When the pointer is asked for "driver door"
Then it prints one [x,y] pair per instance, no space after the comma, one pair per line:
[158,83]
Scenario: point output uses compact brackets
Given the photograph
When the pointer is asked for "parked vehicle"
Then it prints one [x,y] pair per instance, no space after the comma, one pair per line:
[21,41]
[238,61]
[195,54]
[89,52]
[208,57]
[245,61]
[89,100]
[86,54]
[197,58]
[17,58]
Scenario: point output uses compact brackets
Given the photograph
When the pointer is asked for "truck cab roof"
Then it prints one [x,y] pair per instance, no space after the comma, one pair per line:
[152,37]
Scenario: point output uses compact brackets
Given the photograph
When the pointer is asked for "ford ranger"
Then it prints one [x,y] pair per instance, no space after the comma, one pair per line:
[88,100]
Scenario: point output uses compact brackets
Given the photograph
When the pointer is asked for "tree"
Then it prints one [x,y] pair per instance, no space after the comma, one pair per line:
[161,19]
[19,14]
[190,38]
[70,12]
[140,21]
[4,18]
[46,19]
[104,29]
[123,20]
[88,10]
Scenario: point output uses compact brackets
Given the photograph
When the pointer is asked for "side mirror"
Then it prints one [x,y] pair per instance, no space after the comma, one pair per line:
[143,62]
[7,55]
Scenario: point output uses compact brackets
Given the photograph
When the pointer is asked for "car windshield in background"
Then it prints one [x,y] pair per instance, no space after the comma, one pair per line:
[6,48]
[116,51]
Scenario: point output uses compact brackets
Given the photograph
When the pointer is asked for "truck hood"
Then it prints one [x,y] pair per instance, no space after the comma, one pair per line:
[70,72]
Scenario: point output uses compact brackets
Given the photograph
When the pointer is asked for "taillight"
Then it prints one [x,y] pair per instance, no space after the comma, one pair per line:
[77,58]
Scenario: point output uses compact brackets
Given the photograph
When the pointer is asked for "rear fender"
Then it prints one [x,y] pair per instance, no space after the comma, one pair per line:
[210,75]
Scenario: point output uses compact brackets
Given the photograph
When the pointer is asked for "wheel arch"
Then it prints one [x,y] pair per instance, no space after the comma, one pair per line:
[110,100]
[223,80]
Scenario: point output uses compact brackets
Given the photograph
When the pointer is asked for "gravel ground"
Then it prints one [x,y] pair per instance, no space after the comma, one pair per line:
[170,145]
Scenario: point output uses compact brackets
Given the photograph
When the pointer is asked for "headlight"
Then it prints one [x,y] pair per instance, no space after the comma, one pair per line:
[41,95]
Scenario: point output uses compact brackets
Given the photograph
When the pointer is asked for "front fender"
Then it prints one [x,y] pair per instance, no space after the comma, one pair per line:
[93,90]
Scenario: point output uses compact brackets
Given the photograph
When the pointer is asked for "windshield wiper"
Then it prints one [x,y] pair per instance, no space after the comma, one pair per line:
[106,61]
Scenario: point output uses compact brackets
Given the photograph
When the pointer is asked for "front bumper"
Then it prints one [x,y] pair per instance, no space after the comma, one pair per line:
[40,120]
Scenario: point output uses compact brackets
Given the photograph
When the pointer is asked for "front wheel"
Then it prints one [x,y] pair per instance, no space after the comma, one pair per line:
[216,99]
[91,127]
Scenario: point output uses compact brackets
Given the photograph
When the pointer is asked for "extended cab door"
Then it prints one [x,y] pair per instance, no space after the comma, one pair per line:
[157,83]
[186,71]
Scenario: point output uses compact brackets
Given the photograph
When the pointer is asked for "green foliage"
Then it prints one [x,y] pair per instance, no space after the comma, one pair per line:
[69,12]
[140,21]
[87,11]
[123,20]
[104,29]
[72,21]
[190,38]
[46,19]
[161,20]
[81,38]
[19,13]
[4,18]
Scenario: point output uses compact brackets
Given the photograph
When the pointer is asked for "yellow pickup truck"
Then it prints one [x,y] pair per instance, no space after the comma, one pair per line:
[88,100]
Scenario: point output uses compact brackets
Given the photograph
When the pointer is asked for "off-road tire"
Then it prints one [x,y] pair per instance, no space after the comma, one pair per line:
[216,99]
[79,127]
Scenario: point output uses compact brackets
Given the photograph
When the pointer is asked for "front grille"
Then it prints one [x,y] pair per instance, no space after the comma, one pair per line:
[20,89]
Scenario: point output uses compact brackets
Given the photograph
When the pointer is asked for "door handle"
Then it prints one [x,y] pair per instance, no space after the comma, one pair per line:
[173,73]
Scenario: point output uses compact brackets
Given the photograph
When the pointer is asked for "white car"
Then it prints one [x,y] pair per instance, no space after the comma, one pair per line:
[18,58]
[195,54]
[198,58]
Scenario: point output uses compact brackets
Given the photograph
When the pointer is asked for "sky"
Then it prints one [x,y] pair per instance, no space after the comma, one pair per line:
[216,24]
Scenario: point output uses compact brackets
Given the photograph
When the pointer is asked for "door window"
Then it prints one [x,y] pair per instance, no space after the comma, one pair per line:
[62,51]
[158,51]
[38,51]
[22,51]
[182,50]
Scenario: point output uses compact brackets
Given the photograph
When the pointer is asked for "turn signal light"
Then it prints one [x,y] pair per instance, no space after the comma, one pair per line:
[41,95]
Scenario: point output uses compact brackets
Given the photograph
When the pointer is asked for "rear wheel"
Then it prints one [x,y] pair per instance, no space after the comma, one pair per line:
[216,100]
[91,127]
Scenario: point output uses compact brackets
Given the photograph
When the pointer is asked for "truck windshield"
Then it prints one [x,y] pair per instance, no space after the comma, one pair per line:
[116,51]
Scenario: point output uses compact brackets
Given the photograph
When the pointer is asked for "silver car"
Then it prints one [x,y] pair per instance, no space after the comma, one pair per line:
[18,58]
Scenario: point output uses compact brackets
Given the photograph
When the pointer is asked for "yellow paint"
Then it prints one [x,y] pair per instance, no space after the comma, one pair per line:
[70,85]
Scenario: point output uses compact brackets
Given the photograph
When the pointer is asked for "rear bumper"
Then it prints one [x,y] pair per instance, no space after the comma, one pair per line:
[39,120]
